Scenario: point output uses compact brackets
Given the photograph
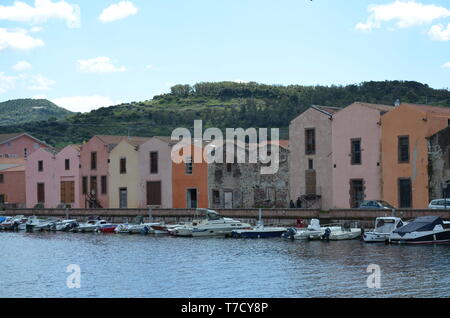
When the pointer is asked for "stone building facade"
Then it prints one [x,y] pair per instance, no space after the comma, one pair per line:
[241,185]
[439,164]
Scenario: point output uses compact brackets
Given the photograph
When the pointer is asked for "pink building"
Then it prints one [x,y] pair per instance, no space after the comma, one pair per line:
[94,171]
[12,182]
[67,166]
[356,148]
[155,168]
[19,145]
[40,176]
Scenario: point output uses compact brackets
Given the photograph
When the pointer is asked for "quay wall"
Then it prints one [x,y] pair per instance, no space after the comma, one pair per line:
[286,217]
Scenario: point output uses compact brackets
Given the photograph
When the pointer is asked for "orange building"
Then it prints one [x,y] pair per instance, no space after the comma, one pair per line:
[190,182]
[404,152]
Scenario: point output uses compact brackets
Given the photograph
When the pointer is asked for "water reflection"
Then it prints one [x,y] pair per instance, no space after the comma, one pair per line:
[34,265]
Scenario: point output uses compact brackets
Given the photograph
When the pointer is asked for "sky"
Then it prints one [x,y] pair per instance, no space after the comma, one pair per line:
[84,54]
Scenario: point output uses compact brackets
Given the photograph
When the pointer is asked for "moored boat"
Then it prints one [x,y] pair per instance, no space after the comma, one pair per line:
[259,231]
[210,224]
[422,230]
[384,226]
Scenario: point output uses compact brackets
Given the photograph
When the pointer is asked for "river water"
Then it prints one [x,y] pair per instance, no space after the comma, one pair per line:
[35,265]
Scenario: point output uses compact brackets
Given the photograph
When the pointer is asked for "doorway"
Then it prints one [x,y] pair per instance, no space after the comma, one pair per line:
[228,200]
[123,198]
[191,198]
[356,193]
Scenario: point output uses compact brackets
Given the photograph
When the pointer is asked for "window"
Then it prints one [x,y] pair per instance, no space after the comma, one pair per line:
[404,193]
[154,193]
[403,149]
[94,185]
[67,164]
[85,185]
[93,160]
[2,178]
[40,165]
[310,141]
[216,196]
[154,162]
[356,151]
[103,185]
[25,152]
[123,165]
[189,165]
[310,164]
[229,167]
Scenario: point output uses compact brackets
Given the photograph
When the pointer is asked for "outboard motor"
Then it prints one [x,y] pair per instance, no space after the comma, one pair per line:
[326,235]
[289,234]
[145,230]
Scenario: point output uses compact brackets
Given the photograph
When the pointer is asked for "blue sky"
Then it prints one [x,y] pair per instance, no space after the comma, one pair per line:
[83,54]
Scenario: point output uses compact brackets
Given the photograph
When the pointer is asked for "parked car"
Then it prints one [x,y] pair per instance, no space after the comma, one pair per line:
[439,204]
[375,205]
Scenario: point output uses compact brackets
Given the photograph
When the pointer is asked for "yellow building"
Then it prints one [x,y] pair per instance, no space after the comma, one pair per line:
[124,175]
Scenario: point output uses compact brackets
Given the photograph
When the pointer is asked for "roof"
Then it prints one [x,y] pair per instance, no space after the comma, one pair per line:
[327,109]
[8,137]
[52,150]
[380,107]
[6,164]
[429,109]
[112,141]
[14,169]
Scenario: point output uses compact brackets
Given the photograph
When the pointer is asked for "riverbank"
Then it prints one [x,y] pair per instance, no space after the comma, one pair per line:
[284,217]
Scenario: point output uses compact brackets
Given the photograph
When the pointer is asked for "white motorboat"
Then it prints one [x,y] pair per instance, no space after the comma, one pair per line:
[143,228]
[35,224]
[90,226]
[211,224]
[64,225]
[422,230]
[342,234]
[384,226]
[314,231]
[259,231]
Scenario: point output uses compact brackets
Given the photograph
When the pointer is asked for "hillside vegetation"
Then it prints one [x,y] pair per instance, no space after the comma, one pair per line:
[224,104]
[20,111]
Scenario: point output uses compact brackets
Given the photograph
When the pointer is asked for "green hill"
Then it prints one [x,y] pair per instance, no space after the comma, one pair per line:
[224,104]
[19,111]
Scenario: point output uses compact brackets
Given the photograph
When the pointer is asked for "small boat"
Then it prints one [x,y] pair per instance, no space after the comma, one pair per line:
[12,223]
[165,228]
[259,231]
[314,231]
[384,226]
[342,234]
[64,225]
[137,227]
[422,230]
[34,224]
[107,228]
[210,224]
[89,226]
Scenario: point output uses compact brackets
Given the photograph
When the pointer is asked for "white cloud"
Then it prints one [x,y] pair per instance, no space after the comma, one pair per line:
[404,13]
[118,11]
[40,83]
[440,32]
[240,81]
[6,82]
[22,66]
[36,29]
[84,103]
[18,40]
[150,67]
[101,64]
[42,11]
[446,65]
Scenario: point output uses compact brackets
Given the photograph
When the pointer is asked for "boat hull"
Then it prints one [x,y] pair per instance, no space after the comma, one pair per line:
[257,234]
[429,237]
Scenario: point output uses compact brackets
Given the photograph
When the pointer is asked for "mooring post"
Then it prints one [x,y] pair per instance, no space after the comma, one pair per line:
[150,219]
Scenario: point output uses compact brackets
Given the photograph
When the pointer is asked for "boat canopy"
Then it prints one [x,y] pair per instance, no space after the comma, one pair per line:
[420,224]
